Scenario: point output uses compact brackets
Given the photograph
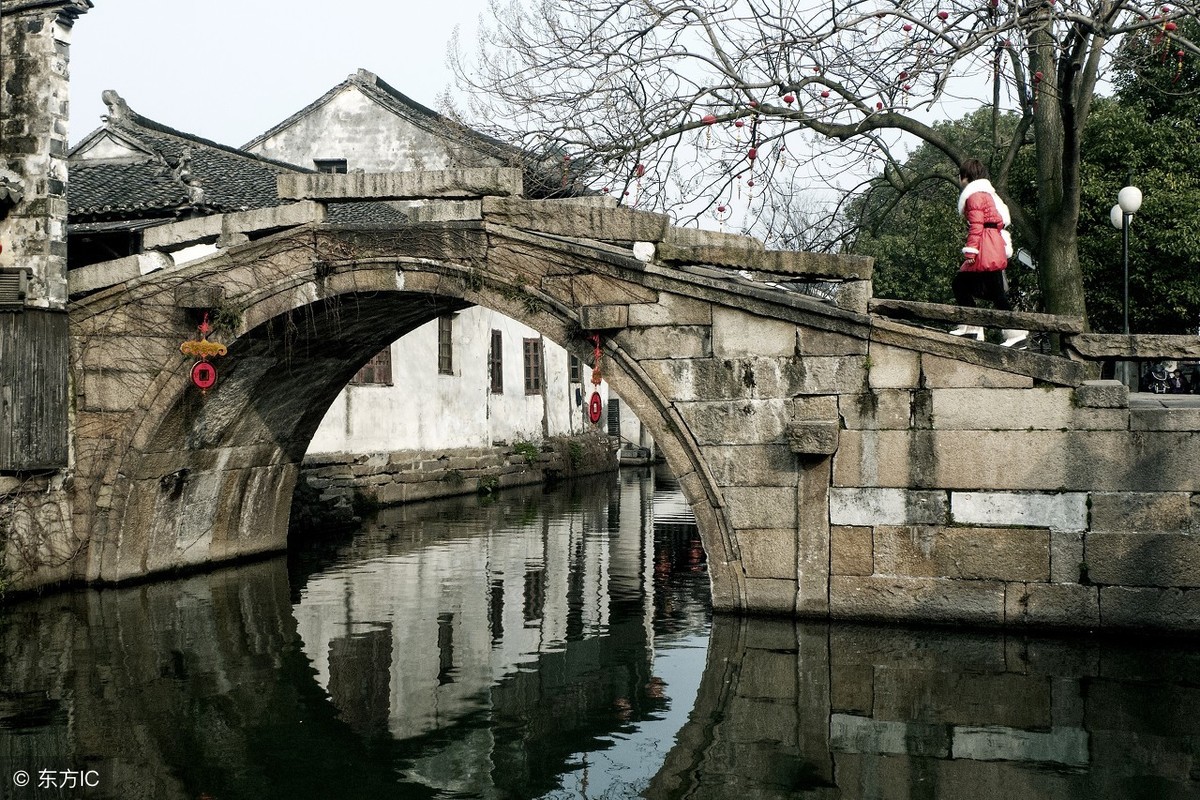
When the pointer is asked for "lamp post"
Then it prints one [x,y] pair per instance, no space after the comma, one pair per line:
[1129,200]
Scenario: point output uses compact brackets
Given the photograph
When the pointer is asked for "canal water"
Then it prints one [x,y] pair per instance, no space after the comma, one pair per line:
[557,644]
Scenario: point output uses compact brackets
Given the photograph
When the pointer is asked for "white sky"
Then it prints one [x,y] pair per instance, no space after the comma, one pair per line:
[228,70]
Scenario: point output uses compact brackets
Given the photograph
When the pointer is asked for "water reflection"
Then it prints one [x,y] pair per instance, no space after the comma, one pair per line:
[788,709]
[559,646]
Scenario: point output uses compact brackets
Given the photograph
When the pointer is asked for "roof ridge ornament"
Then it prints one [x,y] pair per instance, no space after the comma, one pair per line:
[118,109]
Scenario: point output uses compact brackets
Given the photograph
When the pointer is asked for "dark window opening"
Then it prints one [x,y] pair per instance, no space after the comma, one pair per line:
[445,345]
[332,166]
[496,363]
[574,370]
[614,417]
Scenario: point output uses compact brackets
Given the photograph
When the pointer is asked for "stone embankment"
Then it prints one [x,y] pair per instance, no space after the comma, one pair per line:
[339,487]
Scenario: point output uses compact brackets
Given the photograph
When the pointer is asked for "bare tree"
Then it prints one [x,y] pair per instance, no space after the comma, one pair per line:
[725,98]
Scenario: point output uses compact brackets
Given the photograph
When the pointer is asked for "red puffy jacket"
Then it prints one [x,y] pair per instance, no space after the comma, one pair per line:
[989,245]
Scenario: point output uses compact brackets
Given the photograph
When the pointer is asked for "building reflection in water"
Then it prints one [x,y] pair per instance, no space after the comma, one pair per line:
[525,625]
[558,646]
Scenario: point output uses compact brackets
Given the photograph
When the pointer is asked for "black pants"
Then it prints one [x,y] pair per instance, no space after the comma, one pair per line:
[990,286]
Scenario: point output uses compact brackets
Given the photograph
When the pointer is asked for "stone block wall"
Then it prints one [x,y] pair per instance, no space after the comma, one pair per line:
[962,493]
[34,45]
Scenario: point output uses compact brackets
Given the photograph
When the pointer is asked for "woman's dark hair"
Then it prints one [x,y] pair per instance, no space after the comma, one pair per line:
[972,169]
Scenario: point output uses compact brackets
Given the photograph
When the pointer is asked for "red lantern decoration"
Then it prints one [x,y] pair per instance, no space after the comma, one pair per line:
[825,93]
[903,76]
[752,153]
[878,106]
[750,183]
[943,15]
[1170,26]
[741,123]
[753,104]
[639,170]
[708,119]
[595,408]
[720,209]
[789,98]
[907,28]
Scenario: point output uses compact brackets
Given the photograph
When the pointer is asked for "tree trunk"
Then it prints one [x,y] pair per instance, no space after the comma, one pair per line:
[1054,131]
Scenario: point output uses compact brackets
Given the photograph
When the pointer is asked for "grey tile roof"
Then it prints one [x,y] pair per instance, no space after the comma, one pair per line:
[166,181]
[180,175]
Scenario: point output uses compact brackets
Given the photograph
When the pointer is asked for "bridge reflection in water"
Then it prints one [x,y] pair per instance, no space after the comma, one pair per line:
[558,646]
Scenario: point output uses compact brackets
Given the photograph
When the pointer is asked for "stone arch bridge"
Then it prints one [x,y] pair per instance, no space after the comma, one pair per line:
[839,462]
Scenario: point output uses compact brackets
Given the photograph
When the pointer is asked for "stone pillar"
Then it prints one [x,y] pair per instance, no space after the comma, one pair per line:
[34,42]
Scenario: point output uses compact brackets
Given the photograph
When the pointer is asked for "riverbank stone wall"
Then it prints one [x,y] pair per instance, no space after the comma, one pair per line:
[343,484]
[962,494]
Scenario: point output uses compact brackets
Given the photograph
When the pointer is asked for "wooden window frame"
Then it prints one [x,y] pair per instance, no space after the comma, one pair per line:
[531,358]
[377,371]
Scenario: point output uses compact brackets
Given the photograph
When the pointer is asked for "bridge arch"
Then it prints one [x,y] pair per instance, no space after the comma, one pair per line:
[169,478]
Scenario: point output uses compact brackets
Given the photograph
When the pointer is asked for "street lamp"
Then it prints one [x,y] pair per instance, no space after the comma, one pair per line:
[1129,200]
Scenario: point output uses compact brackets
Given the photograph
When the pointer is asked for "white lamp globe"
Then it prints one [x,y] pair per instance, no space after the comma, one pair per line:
[1130,199]
[1117,217]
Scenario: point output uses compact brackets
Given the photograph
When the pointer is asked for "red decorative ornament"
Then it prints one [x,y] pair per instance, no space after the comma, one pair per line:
[639,170]
[943,15]
[907,86]
[825,93]
[753,104]
[604,190]
[595,405]
[708,119]
[741,123]
[1170,26]
[903,76]
[789,98]
[750,183]
[204,375]
[720,209]
[595,408]
[878,106]
[907,28]
[1178,66]
[752,153]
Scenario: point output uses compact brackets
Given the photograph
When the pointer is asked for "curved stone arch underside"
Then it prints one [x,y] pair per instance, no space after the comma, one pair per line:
[169,479]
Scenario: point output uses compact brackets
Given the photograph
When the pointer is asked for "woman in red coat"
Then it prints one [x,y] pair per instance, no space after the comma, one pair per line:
[986,253]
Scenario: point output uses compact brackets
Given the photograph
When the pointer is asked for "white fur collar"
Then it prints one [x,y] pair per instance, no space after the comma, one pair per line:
[984,185]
